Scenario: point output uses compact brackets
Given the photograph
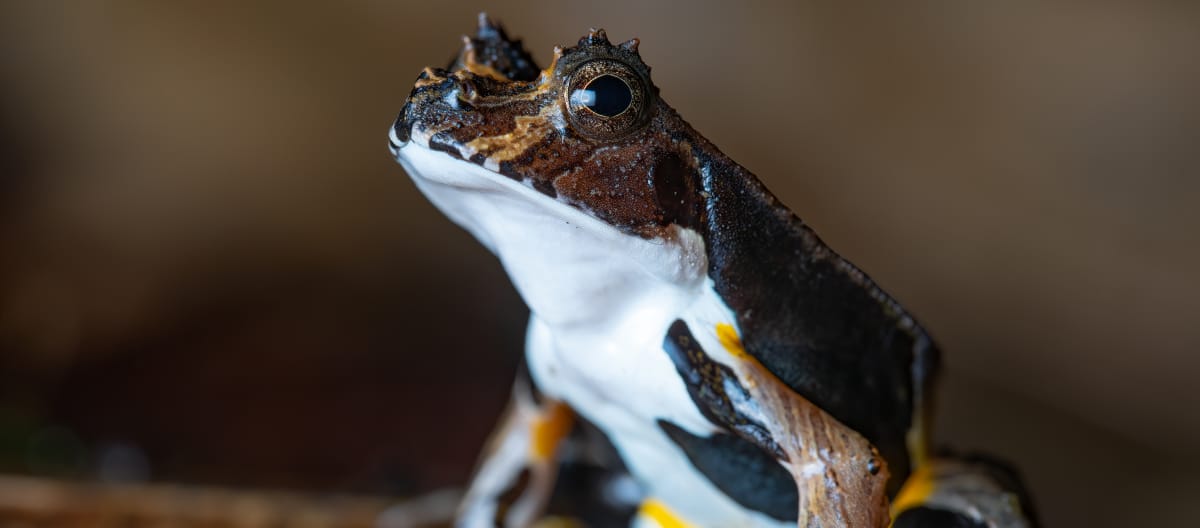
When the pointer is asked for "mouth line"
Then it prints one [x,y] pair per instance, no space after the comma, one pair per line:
[437,142]
[428,149]
[488,180]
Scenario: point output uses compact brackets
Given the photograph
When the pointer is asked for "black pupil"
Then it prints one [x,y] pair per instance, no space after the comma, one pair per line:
[610,95]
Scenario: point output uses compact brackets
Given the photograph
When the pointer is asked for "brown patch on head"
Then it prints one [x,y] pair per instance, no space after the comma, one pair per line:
[616,185]
[677,188]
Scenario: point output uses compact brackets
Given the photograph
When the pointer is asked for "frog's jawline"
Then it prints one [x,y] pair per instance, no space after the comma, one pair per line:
[563,260]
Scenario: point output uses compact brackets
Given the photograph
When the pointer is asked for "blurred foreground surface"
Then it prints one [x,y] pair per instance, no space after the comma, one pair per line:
[49,504]
[211,271]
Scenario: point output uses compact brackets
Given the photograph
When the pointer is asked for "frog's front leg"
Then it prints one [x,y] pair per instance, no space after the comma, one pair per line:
[740,395]
[518,467]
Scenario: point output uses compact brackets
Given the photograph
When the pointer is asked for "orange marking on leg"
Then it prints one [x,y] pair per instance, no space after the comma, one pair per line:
[915,491]
[728,336]
[731,341]
[548,429]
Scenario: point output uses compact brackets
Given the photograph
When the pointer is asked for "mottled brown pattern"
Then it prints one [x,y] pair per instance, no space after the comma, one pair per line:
[528,130]
[622,195]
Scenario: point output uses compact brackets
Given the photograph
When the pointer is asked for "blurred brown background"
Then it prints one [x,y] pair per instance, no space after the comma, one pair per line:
[212,272]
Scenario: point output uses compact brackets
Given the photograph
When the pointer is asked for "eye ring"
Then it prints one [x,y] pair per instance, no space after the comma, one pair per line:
[606,99]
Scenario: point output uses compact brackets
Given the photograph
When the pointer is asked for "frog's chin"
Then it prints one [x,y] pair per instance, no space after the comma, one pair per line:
[570,267]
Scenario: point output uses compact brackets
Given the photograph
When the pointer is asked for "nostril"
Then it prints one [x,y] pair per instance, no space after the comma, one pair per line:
[465,81]
[468,89]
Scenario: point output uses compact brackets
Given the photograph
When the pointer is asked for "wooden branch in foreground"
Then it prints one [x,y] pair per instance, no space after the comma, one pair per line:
[35,502]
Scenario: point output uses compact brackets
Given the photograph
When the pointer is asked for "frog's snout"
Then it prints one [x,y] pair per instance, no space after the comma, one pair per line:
[399,134]
[400,129]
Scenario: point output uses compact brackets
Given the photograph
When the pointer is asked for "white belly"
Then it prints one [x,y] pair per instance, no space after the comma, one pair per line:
[624,391]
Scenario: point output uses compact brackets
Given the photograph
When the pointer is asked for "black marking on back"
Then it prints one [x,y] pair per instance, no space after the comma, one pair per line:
[926,517]
[747,474]
[812,318]
[707,382]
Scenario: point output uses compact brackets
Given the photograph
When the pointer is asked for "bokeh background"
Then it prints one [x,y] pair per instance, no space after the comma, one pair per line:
[212,272]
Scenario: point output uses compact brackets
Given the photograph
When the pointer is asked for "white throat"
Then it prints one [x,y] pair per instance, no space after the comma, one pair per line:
[576,272]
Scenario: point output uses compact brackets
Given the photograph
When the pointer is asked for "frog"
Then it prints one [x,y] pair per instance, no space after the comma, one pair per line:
[744,373]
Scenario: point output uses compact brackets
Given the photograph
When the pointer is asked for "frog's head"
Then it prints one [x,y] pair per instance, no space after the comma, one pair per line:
[590,131]
[582,166]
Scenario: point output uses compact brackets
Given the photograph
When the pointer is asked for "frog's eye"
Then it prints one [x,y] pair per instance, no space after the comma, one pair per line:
[606,95]
[606,99]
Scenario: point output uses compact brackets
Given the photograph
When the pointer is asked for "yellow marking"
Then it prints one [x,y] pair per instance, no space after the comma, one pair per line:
[728,336]
[661,514]
[484,70]
[548,429]
[472,64]
[730,340]
[915,492]
[917,438]
[430,78]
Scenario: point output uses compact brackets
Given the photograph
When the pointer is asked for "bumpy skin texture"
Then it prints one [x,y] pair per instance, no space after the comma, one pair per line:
[492,52]
[813,321]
